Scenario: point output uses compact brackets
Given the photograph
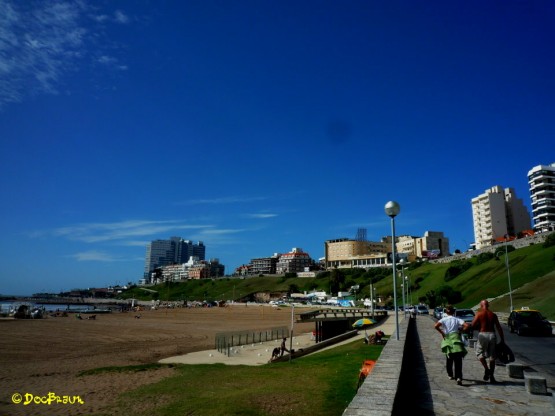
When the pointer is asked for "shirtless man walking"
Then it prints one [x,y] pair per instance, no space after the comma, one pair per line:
[486,322]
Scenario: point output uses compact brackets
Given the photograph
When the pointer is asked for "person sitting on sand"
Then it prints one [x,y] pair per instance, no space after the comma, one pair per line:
[275,353]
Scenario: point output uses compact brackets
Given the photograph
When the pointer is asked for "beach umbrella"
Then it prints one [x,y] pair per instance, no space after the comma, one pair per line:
[363,323]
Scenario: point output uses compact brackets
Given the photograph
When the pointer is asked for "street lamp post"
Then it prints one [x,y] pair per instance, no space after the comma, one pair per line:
[402,262]
[407,285]
[371,299]
[392,209]
[508,273]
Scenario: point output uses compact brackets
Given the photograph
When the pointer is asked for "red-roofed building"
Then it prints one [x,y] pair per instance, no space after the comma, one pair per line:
[295,261]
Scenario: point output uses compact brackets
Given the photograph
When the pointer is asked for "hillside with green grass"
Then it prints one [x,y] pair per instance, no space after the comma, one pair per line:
[464,283]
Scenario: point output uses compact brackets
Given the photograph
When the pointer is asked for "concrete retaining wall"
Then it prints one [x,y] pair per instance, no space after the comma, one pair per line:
[376,396]
[518,243]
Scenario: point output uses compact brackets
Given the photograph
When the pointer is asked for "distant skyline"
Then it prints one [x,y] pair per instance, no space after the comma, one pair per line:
[257,127]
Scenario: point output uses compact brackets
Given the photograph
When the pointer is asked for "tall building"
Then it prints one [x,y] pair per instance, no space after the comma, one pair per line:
[542,193]
[161,253]
[497,213]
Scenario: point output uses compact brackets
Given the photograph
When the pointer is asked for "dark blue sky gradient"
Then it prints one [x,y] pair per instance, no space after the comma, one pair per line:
[257,126]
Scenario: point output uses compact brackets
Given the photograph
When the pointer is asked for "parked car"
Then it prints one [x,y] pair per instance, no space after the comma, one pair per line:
[438,312]
[466,315]
[422,310]
[529,321]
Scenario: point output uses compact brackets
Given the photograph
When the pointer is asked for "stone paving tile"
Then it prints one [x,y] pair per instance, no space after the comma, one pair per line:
[475,397]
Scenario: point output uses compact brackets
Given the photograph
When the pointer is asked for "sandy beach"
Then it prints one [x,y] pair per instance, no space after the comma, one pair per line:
[45,356]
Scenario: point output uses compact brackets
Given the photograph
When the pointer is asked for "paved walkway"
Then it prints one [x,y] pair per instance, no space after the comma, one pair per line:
[475,397]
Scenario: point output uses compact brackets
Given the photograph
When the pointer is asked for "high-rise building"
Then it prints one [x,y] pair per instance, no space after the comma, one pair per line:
[161,253]
[498,213]
[542,193]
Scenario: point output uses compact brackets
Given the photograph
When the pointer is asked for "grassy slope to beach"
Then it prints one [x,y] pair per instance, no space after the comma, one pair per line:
[320,384]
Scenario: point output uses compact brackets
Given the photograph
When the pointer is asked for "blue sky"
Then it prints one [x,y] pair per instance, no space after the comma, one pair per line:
[257,126]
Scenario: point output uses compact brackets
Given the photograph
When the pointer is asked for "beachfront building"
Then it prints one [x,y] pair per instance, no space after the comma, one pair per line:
[201,270]
[160,253]
[294,261]
[347,253]
[541,180]
[193,269]
[243,270]
[497,214]
[433,245]
[175,272]
[264,265]
[216,268]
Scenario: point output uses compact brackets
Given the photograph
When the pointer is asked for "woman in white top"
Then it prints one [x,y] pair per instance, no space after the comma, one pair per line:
[452,345]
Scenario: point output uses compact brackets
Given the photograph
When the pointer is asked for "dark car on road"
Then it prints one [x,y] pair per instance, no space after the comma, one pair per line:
[529,321]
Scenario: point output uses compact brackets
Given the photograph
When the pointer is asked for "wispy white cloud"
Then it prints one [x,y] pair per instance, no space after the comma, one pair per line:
[120,17]
[224,200]
[117,17]
[111,62]
[219,236]
[41,42]
[94,255]
[124,232]
[221,231]
[261,215]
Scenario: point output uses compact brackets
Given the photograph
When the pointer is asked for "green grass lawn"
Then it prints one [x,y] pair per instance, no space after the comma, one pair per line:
[538,294]
[319,384]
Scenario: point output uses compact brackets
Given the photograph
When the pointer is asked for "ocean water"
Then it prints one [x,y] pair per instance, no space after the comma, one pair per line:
[7,306]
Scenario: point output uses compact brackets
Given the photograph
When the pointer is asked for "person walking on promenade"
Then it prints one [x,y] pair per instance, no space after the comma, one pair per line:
[487,322]
[452,345]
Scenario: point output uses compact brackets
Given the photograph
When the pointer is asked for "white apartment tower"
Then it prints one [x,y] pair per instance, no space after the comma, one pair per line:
[497,213]
[542,193]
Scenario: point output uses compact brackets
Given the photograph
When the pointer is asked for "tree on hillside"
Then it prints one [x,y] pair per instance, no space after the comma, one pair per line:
[443,295]
[483,257]
[456,268]
[337,280]
[499,251]
[549,240]
[293,288]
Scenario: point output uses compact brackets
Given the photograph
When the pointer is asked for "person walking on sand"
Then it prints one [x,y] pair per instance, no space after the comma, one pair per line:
[452,345]
[487,322]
